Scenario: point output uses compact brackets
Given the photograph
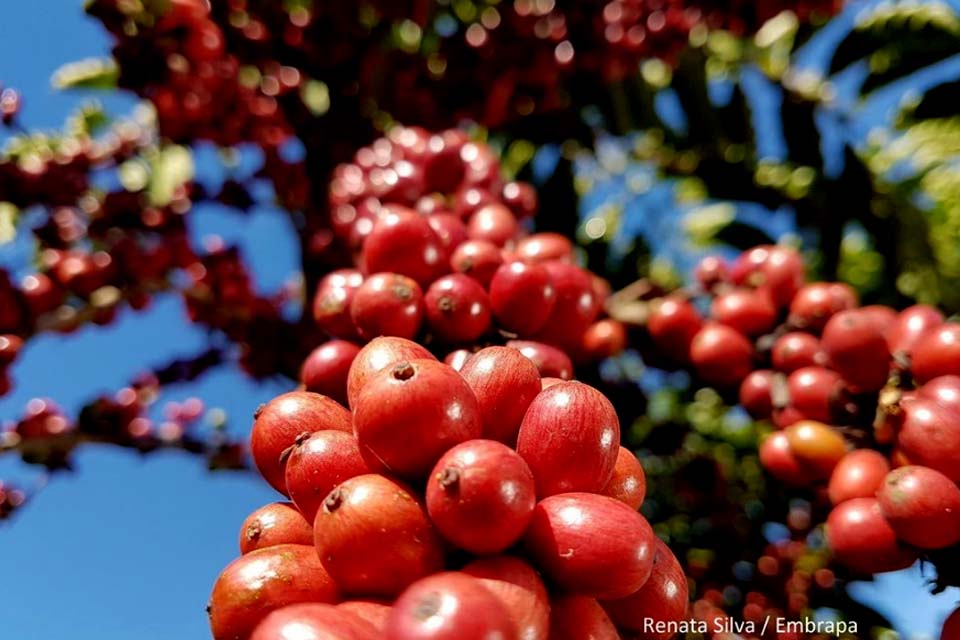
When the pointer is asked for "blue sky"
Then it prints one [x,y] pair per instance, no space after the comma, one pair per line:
[128,547]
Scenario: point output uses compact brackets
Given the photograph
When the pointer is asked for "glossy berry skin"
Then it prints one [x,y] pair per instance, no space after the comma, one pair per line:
[749,312]
[504,382]
[494,223]
[858,475]
[478,259]
[521,198]
[795,350]
[672,325]
[372,611]
[325,370]
[550,361]
[628,484]
[317,464]
[522,297]
[519,589]
[856,348]
[778,459]
[911,325]
[710,272]
[663,598]
[374,537]
[273,524]
[570,437]
[861,539]
[929,435]
[575,308]
[457,309]
[721,356]
[937,353]
[376,356]
[314,621]
[813,391]
[387,304]
[817,446]
[574,617]
[543,247]
[591,545]
[480,496]
[944,390]
[458,358]
[922,506]
[262,581]
[603,339]
[882,316]
[815,304]
[278,424]
[756,394]
[777,270]
[449,606]
[449,229]
[403,242]
[331,303]
[408,415]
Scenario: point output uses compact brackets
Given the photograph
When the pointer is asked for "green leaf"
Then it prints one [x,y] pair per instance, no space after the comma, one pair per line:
[171,168]
[93,73]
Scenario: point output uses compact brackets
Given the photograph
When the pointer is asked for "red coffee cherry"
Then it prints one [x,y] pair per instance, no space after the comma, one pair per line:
[816,302]
[937,353]
[573,617]
[494,223]
[314,620]
[379,354]
[522,297]
[756,394]
[858,475]
[387,304]
[544,247]
[720,355]
[575,308]
[317,463]
[273,524]
[331,303]
[855,347]
[861,539]
[403,242]
[749,312]
[911,325]
[795,350]
[326,368]
[628,484]
[478,259]
[505,382]
[550,361]
[672,325]
[519,589]
[457,309]
[922,506]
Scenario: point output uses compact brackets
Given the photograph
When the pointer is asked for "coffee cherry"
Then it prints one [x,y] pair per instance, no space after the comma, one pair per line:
[794,350]
[421,401]
[815,303]
[550,361]
[929,435]
[628,484]
[721,356]
[40,293]
[457,359]
[10,346]
[813,392]
[778,460]
[273,524]
[858,475]
[457,309]
[494,223]
[374,537]
[756,394]
[749,312]
[478,259]
[331,303]
[856,349]
[387,304]
[672,325]
[451,606]
[522,297]
[378,355]
[449,229]
[662,599]
[326,368]
[575,308]
[521,198]
[861,539]
[881,316]
[480,496]
[317,463]
[603,339]
[504,382]
[573,617]
[262,581]
[937,353]
[282,420]
[371,611]
[922,506]
[544,247]
[313,620]
[591,545]
[710,272]
[403,242]
[818,447]
[911,325]
[570,437]
[944,390]
[519,589]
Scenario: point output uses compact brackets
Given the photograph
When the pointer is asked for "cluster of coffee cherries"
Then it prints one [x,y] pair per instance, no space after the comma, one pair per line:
[865,401]
[489,502]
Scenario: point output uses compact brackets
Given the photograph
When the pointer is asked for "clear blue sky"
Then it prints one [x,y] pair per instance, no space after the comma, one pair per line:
[129,547]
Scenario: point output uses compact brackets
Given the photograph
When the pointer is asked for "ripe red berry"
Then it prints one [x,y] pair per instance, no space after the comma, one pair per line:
[573,617]
[519,589]
[861,539]
[331,303]
[403,242]
[278,424]
[756,393]
[522,297]
[543,247]
[749,312]
[882,316]
[778,460]
[480,496]
[937,353]
[603,339]
[408,415]
[449,229]
[494,223]
[922,506]
[591,545]
[40,293]
[521,197]
[326,368]
[575,308]
[505,382]
[628,484]
[721,356]
[911,325]
[457,308]
[458,359]
[550,361]
[478,259]
[376,356]
[317,463]
[944,390]
[372,611]
[261,581]
[672,325]
[794,350]
[813,392]
[10,346]
[449,606]
[856,349]
[387,304]
[273,524]
[570,437]
[816,302]
[374,537]
[710,272]
[314,620]
[858,475]
[929,435]
[662,599]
